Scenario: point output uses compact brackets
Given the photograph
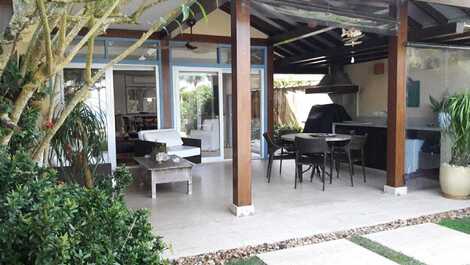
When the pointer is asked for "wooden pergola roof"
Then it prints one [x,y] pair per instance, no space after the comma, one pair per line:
[300,46]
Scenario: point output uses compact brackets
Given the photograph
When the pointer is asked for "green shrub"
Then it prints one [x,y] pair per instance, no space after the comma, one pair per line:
[46,222]
[280,130]
[458,108]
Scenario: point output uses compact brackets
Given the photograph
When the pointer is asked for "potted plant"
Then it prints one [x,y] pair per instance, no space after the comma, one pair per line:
[438,107]
[454,176]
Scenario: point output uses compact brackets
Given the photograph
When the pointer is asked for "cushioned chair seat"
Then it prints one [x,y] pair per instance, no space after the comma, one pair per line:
[183,151]
[187,148]
[168,136]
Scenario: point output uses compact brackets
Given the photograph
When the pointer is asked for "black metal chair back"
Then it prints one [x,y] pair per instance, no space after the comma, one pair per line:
[305,146]
[313,152]
[358,142]
[272,147]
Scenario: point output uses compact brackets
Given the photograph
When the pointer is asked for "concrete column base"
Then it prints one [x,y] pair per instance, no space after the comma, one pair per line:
[397,191]
[241,211]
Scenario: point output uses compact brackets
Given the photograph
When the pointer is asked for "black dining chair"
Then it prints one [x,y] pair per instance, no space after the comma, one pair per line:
[341,153]
[276,152]
[312,152]
[287,149]
[357,153]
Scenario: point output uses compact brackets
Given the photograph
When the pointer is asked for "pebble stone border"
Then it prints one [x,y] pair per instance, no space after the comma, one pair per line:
[223,256]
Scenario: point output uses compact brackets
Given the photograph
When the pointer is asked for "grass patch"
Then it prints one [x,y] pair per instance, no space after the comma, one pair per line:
[385,251]
[248,261]
[461,224]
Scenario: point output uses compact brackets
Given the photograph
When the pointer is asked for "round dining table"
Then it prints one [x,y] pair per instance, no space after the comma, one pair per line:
[329,137]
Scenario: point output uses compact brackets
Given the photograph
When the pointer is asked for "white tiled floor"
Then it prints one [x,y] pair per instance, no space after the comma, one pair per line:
[201,222]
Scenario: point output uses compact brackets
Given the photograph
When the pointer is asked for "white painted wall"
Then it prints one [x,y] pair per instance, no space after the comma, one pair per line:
[218,24]
[372,96]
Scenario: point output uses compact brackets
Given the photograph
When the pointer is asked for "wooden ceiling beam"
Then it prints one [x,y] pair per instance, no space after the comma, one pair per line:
[335,41]
[436,32]
[459,38]
[432,12]
[299,70]
[347,58]
[415,25]
[287,52]
[465,10]
[300,33]
[372,44]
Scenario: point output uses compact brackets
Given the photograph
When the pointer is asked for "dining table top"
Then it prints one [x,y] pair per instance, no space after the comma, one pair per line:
[329,137]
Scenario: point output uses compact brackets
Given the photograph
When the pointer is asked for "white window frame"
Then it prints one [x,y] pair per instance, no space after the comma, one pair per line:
[220,71]
[109,79]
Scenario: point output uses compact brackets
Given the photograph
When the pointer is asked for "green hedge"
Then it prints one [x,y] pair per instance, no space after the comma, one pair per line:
[44,221]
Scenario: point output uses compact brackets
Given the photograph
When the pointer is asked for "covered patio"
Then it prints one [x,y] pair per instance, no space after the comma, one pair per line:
[204,221]
[187,104]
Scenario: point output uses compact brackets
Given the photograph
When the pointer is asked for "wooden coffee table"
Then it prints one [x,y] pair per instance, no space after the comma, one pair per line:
[167,172]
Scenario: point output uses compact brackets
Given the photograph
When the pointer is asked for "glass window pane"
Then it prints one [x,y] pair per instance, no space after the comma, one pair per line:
[199,109]
[426,75]
[256,112]
[98,50]
[195,53]
[74,79]
[257,55]
[256,115]
[434,74]
[141,93]
[146,52]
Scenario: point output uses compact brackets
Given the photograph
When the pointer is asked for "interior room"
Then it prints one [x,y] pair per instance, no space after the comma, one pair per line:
[135,109]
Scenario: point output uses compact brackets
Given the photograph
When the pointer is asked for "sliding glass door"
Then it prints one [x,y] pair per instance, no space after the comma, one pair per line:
[198,109]
[136,108]
[203,109]
[127,96]
[256,113]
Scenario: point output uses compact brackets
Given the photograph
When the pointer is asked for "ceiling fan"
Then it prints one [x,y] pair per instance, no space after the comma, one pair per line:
[190,23]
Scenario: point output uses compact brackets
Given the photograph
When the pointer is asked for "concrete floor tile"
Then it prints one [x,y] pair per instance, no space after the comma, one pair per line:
[338,252]
[429,243]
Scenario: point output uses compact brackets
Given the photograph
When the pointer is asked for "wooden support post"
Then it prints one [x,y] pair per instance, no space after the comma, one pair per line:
[396,133]
[270,88]
[166,87]
[241,87]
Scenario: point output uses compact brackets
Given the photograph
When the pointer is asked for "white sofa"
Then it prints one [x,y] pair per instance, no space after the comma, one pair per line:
[175,144]
[209,135]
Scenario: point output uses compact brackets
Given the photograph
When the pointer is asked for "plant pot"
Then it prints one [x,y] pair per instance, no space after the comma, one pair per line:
[455,181]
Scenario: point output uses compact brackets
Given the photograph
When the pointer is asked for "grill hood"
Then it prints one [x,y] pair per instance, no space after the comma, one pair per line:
[335,82]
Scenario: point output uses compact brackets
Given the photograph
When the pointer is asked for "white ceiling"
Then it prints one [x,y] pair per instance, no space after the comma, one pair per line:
[150,16]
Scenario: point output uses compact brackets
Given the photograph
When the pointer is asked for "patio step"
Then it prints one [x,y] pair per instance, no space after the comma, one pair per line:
[429,243]
[338,252]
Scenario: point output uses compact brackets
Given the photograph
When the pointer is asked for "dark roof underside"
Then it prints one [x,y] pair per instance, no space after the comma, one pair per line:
[308,41]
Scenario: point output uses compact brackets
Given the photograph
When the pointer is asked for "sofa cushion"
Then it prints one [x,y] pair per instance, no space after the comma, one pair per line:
[168,136]
[184,151]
